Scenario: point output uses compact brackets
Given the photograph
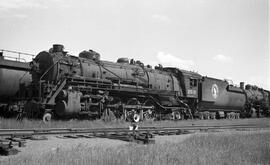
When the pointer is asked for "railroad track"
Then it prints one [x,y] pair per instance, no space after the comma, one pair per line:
[145,135]
[55,131]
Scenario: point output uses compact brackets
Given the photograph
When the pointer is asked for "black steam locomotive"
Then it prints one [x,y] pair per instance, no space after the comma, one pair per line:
[65,86]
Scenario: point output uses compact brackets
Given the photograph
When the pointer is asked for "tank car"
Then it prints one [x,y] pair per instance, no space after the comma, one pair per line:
[12,74]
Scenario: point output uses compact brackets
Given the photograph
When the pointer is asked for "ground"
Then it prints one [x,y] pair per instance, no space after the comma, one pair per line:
[55,144]
[214,148]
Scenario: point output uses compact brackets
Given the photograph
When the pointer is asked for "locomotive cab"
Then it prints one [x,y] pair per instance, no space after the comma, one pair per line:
[188,81]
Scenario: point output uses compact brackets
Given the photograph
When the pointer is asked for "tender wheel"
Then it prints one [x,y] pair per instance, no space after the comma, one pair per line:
[237,115]
[178,116]
[47,117]
[201,117]
[233,115]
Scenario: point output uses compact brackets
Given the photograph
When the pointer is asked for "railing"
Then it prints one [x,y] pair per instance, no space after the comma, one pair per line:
[15,58]
[19,55]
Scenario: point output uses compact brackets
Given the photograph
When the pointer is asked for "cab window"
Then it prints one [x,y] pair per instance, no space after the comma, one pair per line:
[192,82]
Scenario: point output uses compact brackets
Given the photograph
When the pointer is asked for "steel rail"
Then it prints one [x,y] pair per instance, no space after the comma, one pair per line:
[108,131]
[119,128]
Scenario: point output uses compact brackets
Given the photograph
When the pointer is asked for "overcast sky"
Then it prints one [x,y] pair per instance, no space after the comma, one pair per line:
[218,38]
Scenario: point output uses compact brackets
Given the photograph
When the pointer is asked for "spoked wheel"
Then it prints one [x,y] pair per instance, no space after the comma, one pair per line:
[149,114]
[131,114]
[176,115]
[47,117]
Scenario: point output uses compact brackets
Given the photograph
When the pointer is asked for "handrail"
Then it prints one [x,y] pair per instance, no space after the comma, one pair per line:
[43,75]
[11,51]
[16,58]
[16,52]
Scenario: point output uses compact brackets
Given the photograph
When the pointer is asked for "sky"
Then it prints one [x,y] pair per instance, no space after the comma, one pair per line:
[225,39]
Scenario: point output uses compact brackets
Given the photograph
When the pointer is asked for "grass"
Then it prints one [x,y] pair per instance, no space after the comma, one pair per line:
[26,123]
[207,149]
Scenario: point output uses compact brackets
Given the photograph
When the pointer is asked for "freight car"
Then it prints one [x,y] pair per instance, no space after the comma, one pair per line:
[65,86]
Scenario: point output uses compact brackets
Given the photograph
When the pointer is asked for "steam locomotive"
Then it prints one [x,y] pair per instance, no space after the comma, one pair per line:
[65,86]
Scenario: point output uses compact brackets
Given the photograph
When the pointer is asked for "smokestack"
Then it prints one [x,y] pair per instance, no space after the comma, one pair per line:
[242,85]
[58,48]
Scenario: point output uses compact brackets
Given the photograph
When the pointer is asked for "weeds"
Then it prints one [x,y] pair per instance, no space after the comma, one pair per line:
[206,148]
